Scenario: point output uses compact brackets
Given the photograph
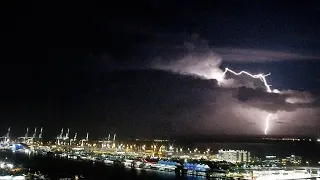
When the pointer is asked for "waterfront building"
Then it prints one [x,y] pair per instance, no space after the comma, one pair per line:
[271,161]
[234,155]
[295,160]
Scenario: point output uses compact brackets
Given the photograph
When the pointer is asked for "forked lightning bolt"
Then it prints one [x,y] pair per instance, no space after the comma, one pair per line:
[262,77]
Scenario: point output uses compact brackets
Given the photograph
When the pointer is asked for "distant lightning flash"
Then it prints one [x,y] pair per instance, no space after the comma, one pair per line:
[269,117]
[262,77]
[267,124]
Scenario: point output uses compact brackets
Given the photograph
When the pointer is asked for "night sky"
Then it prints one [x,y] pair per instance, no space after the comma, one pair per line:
[152,68]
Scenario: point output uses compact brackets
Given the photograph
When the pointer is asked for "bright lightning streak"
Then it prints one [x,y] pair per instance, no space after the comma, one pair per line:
[267,124]
[262,77]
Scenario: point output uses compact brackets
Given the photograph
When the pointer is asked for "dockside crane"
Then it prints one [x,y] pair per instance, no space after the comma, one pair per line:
[6,138]
[85,140]
[74,139]
[40,135]
[60,137]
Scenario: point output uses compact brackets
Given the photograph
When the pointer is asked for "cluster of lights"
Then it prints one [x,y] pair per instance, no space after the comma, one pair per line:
[12,177]
[6,165]
[289,139]
[160,140]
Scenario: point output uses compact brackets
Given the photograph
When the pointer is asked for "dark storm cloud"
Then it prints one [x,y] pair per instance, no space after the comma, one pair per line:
[143,101]
[274,102]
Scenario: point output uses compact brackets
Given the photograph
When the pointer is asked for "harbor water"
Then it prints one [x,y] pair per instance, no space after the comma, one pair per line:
[58,168]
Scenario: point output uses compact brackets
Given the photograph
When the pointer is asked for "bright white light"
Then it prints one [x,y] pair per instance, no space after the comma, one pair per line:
[6,177]
[10,166]
[262,77]
[18,178]
[267,124]
[276,91]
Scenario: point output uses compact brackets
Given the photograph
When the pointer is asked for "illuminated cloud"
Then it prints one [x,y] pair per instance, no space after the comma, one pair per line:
[296,97]
[206,65]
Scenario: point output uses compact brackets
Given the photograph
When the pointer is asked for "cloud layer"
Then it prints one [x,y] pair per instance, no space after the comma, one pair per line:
[256,55]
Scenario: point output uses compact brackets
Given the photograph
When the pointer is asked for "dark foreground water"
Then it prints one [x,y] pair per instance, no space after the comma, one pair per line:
[57,168]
